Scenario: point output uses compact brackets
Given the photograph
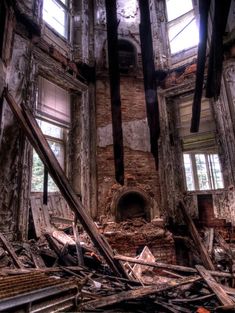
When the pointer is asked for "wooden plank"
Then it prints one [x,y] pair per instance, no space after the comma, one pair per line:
[214,286]
[206,260]
[31,129]
[150,85]
[78,246]
[114,77]
[211,240]
[135,294]
[155,264]
[11,251]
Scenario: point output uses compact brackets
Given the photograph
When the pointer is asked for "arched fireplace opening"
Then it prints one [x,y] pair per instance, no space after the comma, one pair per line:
[132,205]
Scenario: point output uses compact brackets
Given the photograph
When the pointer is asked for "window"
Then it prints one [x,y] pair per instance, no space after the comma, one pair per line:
[182,25]
[53,117]
[202,171]
[56,14]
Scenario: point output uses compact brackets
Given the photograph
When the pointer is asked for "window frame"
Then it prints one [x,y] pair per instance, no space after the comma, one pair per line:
[66,8]
[64,141]
[209,171]
[186,52]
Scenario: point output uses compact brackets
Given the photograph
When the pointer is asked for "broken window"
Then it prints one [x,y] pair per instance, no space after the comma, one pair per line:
[53,117]
[56,14]
[182,25]
[202,171]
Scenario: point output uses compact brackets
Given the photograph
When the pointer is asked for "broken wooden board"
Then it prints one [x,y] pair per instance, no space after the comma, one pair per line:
[40,214]
[214,286]
[135,294]
[62,237]
[11,251]
[145,255]
[29,125]
[156,264]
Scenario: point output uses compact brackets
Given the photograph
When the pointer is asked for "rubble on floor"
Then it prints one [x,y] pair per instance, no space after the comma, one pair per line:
[131,236]
[45,275]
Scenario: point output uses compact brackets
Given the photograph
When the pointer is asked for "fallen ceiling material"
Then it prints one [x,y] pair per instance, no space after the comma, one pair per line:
[61,285]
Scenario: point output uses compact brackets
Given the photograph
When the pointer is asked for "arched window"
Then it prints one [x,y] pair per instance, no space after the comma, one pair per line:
[127,56]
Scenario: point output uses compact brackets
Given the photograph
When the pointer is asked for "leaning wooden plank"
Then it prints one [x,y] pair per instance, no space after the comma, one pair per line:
[214,286]
[206,260]
[155,264]
[31,129]
[136,293]
[11,251]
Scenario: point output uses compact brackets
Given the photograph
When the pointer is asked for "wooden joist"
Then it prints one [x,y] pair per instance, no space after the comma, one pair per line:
[204,6]
[33,132]
[214,286]
[150,85]
[114,77]
[206,260]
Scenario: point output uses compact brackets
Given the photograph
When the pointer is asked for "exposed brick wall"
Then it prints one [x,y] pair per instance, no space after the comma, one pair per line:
[139,164]
[132,97]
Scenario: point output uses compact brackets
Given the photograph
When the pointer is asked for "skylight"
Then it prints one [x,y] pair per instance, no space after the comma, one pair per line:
[182,25]
[55,14]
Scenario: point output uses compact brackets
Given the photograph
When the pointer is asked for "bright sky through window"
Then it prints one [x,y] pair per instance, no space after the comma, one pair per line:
[182,26]
[55,16]
[176,8]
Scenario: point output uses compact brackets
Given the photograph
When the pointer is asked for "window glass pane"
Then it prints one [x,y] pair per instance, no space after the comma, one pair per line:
[188,172]
[176,8]
[203,179]
[55,16]
[53,101]
[38,168]
[51,130]
[58,151]
[216,171]
[183,35]
[37,173]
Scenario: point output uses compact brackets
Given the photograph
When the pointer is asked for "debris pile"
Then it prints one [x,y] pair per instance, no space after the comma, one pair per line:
[67,282]
[58,272]
[131,236]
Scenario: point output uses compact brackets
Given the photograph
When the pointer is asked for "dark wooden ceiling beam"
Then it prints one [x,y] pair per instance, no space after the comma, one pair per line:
[114,77]
[150,85]
[204,7]
[216,55]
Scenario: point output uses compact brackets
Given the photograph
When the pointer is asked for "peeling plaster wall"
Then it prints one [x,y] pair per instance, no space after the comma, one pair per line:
[135,135]
[31,57]
[11,139]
